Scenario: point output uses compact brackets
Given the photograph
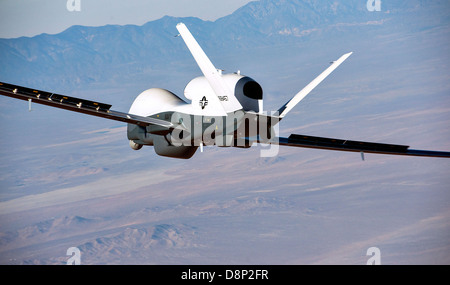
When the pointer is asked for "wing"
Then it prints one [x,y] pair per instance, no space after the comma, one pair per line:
[353,146]
[77,105]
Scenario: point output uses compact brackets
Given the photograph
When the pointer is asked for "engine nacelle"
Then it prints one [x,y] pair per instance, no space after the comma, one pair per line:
[248,92]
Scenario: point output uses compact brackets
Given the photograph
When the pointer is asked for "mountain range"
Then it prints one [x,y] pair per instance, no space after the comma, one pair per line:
[84,55]
[70,180]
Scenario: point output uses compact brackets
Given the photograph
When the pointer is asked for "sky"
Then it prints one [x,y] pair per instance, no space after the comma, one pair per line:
[32,17]
[72,180]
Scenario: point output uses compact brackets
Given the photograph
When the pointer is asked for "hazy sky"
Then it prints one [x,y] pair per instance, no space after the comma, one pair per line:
[32,17]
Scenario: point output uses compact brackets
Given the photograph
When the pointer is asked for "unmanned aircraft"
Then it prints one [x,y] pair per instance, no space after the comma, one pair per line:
[225,110]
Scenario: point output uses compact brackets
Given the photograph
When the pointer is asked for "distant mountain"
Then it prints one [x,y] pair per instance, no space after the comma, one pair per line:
[83,55]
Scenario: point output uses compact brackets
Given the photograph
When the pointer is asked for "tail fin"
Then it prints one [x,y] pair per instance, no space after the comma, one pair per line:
[213,75]
[305,91]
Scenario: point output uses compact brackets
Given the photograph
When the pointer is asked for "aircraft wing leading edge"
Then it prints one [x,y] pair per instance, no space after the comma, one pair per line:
[77,105]
[353,146]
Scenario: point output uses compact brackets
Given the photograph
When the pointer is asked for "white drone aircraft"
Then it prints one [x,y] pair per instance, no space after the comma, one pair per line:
[225,110]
